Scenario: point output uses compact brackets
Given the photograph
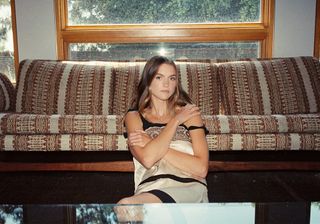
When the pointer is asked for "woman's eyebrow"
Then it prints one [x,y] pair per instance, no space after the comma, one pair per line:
[164,75]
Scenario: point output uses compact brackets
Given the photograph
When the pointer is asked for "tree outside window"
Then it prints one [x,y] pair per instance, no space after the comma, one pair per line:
[6,41]
[124,30]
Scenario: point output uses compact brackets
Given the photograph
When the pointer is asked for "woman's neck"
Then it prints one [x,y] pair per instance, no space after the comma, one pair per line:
[160,109]
[160,112]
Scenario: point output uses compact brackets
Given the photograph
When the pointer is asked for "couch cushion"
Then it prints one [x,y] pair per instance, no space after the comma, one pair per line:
[265,141]
[113,124]
[199,78]
[69,87]
[259,124]
[13,123]
[99,142]
[64,142]
[7,94]
[277,86]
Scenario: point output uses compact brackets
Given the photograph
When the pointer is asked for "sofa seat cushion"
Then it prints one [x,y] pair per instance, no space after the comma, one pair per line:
[259,124]
[277,86]
[63,142]
[261,142]
[14,123]
[100,142]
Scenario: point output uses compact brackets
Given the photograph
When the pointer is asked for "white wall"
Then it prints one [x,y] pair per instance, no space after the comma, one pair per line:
[36,29]
[294,28]
[293,36]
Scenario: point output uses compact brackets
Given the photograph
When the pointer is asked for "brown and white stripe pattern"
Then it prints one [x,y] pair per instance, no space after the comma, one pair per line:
[199,79]
[51,87]
[60,124]
[278,86]
[259,124]
[7,94]
[278,141]
[94,142]
[98,142]
[113,124]
[265,104]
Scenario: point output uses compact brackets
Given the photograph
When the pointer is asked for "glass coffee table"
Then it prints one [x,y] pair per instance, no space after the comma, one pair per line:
[279,212]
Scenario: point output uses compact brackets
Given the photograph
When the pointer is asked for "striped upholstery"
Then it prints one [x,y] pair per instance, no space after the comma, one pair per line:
[110,142]
[60,124]
[112,124]
[61,87]
[7,94]
[200,80]
[278,86]
[52,87]
[253,104]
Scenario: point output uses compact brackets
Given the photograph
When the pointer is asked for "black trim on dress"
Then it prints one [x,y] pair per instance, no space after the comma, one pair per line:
[170,176]
[163,196]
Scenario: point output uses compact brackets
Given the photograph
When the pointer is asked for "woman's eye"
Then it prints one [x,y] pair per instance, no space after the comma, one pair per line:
[173,78]
[158,77]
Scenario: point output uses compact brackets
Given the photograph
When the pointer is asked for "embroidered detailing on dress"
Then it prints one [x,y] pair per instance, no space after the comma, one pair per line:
[181,134]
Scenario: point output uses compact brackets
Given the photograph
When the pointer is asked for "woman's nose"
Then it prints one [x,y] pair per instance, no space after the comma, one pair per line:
[165,82]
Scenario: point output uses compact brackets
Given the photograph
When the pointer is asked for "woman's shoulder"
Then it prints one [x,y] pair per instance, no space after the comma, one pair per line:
[132,114]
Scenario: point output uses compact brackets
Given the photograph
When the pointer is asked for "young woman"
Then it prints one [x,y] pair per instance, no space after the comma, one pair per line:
[166,137]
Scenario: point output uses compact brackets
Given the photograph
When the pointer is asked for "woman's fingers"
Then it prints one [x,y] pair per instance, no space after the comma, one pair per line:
[187,112]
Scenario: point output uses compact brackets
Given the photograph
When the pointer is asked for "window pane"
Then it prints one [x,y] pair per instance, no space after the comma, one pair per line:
[6,41]
[222,50]
[165,11]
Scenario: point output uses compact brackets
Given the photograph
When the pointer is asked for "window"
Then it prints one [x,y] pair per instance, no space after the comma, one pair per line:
[8,52]
[122,29]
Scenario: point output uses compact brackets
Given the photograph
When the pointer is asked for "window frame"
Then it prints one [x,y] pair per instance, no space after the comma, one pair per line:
[140,33]
[15,38]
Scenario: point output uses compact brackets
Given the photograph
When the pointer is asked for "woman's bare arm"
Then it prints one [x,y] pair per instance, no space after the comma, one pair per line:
[196,164]
[156,148]
[149,151]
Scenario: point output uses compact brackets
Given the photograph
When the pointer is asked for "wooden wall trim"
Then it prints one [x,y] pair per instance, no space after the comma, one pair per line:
[316,52]
[15,38]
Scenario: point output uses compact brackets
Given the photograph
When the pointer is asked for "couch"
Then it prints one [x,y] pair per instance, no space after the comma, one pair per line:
[68,115]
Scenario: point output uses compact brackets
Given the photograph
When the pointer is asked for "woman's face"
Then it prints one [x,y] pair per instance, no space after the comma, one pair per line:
[164,83]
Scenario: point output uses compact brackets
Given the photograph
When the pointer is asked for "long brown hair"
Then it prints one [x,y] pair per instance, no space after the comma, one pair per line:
[143,100]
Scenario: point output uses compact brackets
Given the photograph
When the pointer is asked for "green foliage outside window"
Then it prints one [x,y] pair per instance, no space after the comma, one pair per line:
[162,11]
[6,41]
[5,23]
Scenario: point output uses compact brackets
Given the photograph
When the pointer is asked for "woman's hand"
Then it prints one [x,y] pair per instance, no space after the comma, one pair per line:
[138,138]
[185,113]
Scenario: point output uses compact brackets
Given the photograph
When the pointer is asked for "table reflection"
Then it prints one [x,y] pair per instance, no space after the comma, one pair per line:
[283,212]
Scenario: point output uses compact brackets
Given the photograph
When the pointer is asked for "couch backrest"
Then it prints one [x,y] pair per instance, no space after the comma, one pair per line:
[7,94]
[276,86]
[69,87]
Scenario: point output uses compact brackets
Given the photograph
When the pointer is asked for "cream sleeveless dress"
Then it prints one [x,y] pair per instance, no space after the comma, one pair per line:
[165,181]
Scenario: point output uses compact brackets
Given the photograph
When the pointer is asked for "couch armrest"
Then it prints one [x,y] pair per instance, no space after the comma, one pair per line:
[7,94]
